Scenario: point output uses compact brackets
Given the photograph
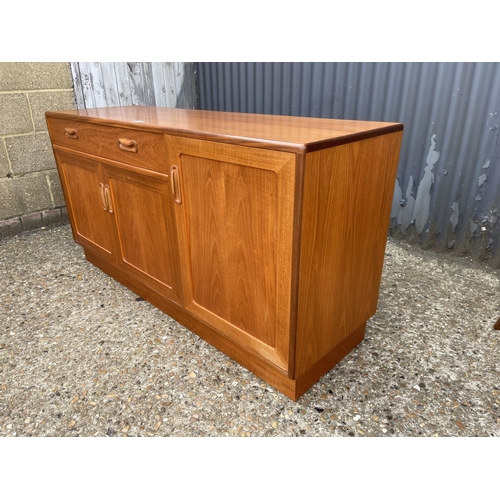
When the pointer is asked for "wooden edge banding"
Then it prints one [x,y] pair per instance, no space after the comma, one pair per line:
[328,143]
[297,230]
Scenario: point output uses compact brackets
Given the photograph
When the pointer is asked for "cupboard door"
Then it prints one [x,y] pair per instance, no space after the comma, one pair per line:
[141,202]
[234,212]
[83,185]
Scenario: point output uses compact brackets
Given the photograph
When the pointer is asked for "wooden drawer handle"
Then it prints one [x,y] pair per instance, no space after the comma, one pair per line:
[176,188]
[127,145]
[71,133]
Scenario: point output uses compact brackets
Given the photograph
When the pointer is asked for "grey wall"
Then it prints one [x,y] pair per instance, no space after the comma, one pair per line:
[30,192]
[447,189]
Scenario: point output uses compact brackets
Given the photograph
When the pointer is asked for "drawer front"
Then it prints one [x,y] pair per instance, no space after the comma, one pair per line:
[144,149]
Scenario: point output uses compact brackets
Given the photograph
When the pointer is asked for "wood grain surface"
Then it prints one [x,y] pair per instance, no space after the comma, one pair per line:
[92,225]
[263,234]
[111,142]
[284,133]
[148,249]
[347,197]
[235,233]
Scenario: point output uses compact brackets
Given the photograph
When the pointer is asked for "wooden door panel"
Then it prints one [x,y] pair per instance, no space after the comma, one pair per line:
[144,225]
[232,236]
[235,227]
[92,225]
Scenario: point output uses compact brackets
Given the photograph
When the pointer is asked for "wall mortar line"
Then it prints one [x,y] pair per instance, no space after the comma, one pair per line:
[51,194]
[24,134]
[8,158]
[31,113]
[2,92]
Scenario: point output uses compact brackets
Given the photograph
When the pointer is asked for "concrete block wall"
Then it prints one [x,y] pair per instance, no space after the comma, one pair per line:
[30,191]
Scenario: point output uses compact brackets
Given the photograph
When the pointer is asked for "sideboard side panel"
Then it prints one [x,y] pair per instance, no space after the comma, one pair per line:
[346,207]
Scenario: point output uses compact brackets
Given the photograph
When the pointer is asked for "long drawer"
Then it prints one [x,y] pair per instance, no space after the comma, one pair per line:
[144,149]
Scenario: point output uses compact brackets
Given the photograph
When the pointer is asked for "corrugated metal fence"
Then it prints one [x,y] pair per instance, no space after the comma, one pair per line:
[447,190]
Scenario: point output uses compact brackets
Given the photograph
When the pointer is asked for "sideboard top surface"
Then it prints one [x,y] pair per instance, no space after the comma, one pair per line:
[284,133]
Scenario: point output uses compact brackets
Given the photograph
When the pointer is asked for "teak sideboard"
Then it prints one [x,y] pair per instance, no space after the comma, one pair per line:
[264,235]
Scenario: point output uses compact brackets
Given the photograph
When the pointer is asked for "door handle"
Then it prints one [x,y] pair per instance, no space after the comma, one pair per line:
[176,187]
[103,196]
[107,196]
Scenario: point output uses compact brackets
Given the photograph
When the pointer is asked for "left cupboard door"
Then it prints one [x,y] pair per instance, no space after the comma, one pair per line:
[83,183]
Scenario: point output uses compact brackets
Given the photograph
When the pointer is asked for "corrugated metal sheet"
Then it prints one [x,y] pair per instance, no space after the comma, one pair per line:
[447,189]
[165,84]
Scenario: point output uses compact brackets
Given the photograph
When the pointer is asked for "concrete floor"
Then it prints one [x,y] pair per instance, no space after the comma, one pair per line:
[81,356]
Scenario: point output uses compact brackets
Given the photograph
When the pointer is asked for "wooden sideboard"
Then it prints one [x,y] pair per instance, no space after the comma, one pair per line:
[264,235]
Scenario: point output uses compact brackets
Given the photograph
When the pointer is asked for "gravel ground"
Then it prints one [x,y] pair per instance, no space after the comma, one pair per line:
[80,355]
